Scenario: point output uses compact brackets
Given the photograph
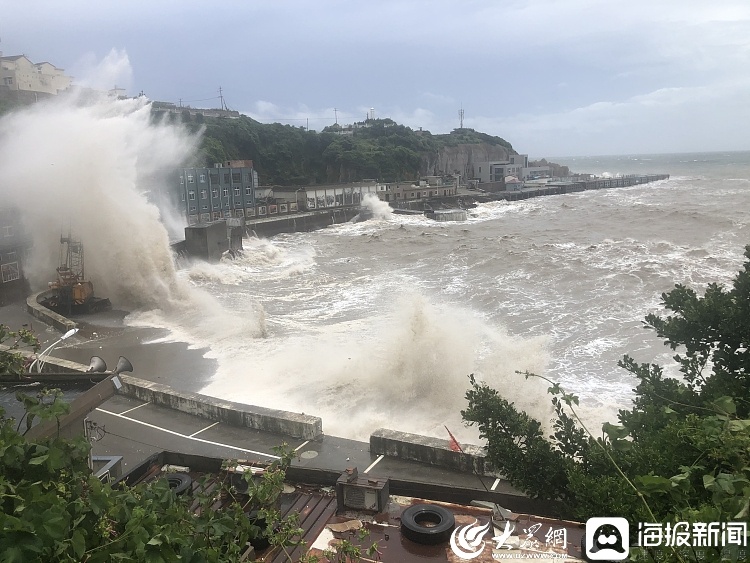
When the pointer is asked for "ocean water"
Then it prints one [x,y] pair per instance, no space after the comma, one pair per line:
[378,324]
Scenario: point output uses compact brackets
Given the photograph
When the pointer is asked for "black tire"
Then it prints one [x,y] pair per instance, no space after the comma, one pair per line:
[179,482]
[441,523]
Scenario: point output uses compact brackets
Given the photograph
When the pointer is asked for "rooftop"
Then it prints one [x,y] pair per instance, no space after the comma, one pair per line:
[364,511]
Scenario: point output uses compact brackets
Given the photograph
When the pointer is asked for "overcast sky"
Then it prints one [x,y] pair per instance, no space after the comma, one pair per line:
[553,77]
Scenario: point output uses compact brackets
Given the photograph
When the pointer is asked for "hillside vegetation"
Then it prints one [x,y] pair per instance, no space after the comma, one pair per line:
[286,155]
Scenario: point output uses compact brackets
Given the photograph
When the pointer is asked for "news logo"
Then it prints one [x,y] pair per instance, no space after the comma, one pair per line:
[607,539]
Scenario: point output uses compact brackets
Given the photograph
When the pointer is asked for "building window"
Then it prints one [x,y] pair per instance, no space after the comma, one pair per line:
[205,208]
[182,197]
[10,272]
[216,206]
[236,177]
[225,192]
[250,177]
[236,192]
[215,193]
[202,178]
[191,196]
[226,177]
[214,178]
[192,208]
[11,257]
[191,180]
[182,180]
[248,191]
[204,194]
[8,231]
[8,80]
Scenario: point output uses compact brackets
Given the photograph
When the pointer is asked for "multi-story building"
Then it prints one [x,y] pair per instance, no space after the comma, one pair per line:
[208,194]
[14,243]
[517,165]
[18,73]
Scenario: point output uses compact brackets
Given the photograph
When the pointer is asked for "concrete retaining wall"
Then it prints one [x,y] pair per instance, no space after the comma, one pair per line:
[425,449]
[236,414]
[298,222]
[45,315]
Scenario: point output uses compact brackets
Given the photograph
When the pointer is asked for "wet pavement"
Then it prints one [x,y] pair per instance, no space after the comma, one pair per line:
[135,430]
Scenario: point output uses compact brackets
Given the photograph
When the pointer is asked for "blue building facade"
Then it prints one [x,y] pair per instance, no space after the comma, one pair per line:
[224,191]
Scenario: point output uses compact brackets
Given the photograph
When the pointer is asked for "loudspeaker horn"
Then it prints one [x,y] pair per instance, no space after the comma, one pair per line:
[123,365]
[97,365]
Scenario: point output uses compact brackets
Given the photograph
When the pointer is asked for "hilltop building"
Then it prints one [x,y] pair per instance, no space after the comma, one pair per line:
[19,74]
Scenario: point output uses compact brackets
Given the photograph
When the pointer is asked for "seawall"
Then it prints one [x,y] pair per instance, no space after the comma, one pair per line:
[300,222]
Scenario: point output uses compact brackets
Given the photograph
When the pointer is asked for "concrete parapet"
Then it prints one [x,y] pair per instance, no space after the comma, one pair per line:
[237,414]
[425,449]
[45,315]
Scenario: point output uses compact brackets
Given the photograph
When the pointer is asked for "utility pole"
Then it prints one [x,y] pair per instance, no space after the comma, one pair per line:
[336,116]
[221,97]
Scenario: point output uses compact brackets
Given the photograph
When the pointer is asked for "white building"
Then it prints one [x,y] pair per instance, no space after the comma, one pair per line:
[20,74]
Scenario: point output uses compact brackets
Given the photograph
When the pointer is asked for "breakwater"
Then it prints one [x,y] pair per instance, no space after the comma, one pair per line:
[305,221]
[572,186]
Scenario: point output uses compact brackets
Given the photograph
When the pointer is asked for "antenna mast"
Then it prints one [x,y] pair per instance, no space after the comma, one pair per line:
[221,97]
[461,117]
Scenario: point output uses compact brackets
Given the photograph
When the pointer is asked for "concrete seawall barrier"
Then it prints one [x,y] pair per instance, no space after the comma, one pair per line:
[434,451]
[299,222]
[288,423]
[45,315]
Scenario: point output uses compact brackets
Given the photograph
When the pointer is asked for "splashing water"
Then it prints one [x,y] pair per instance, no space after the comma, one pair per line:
[379,209]
[85,167]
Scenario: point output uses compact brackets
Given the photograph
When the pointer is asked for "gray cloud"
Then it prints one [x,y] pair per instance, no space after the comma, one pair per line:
[672,67]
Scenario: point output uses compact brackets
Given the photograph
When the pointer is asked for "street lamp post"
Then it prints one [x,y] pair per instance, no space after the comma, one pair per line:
[39,362]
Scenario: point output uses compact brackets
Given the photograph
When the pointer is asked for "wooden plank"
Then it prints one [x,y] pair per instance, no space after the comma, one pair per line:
[315,511]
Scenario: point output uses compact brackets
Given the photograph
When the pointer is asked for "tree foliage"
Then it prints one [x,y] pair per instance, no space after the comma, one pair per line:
[12,362]
[680,453]
[55,509]
[287,155]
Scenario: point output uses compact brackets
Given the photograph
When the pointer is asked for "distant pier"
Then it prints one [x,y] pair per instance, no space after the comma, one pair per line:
[556,188]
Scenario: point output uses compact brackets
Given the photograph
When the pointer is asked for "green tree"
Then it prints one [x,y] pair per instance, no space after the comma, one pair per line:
[12,362]
[680,453]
